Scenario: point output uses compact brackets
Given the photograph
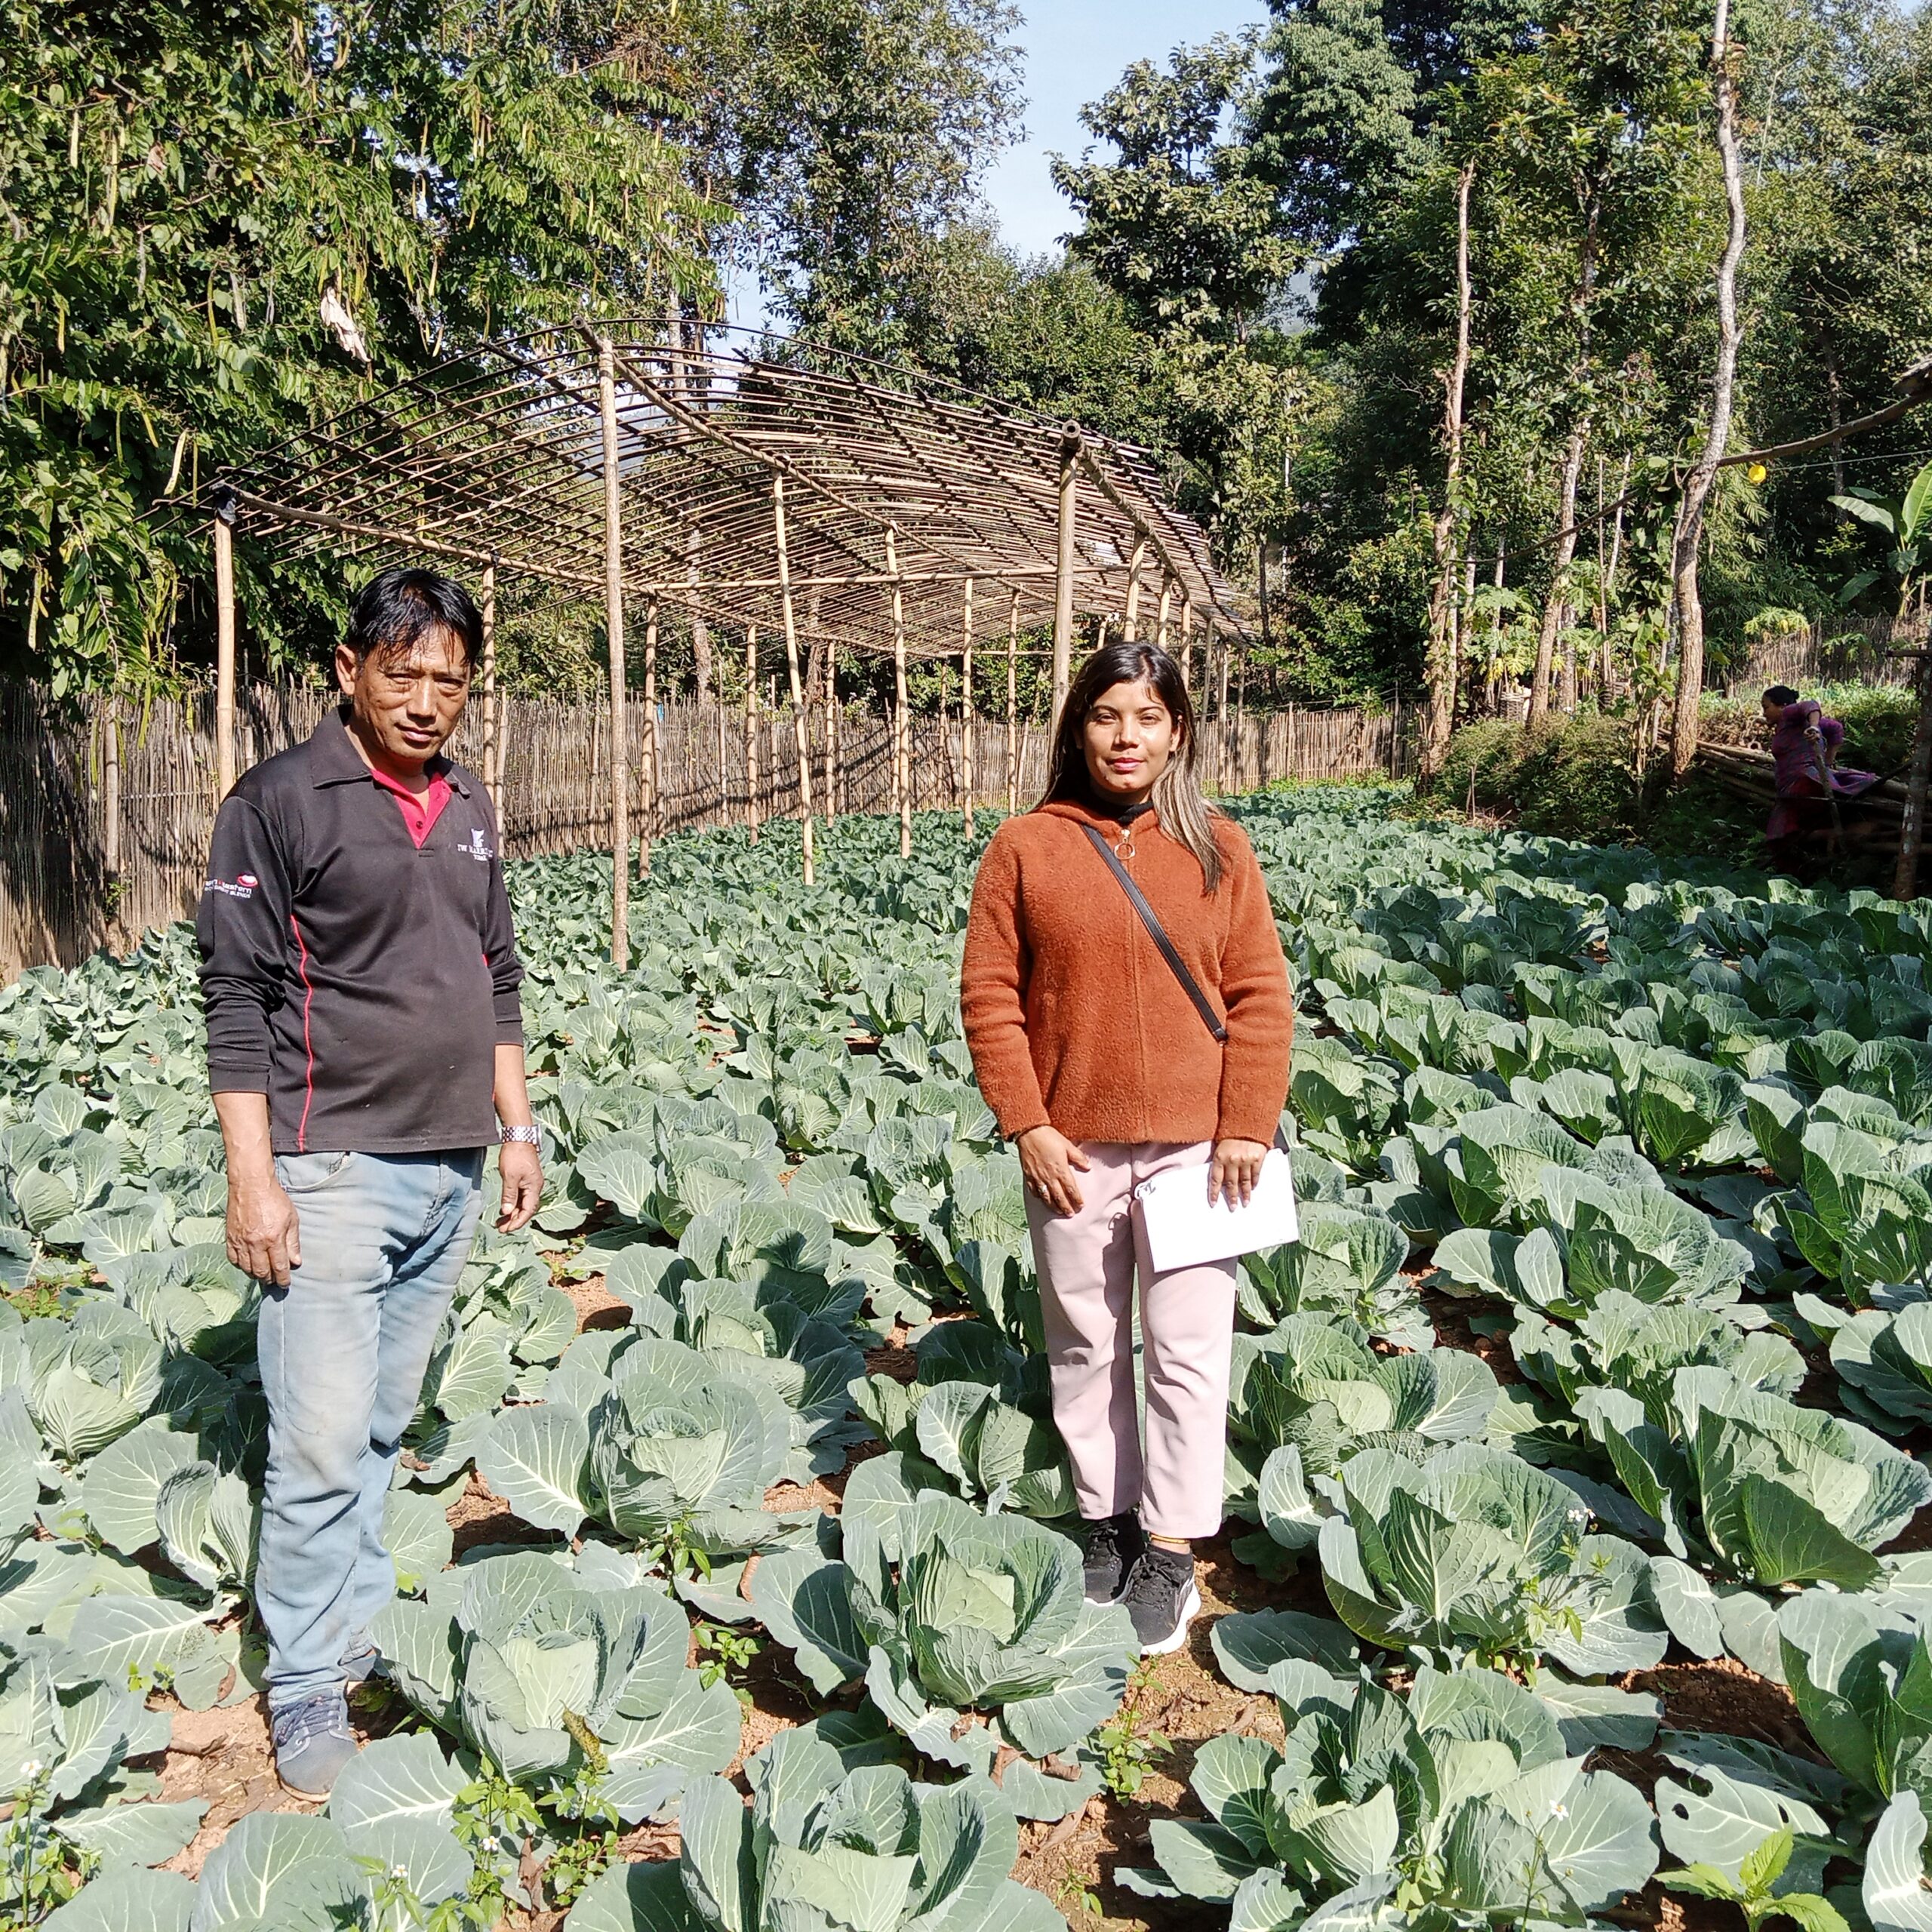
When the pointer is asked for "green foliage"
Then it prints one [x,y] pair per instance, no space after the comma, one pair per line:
[192,193]
[1573,779]
[1656,1119]
[1458,1798]
[1127,1748]
[839,1832]
[1753,1890]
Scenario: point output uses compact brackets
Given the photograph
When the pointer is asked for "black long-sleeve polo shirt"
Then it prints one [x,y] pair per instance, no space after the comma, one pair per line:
[361,983]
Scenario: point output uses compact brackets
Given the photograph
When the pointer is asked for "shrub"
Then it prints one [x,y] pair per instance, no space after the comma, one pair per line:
[1568,779]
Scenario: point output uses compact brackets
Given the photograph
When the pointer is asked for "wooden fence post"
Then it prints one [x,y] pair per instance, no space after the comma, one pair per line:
[489,613]
[830,731]
[902,747]
[1013,704]
[1167,604]
[791,670]
[110,812]
[1186,640]
[966,771]
[613,626]
[751,730]
[1918,774]
[1070,470]
[224,648]
[1135,562]
[652,776]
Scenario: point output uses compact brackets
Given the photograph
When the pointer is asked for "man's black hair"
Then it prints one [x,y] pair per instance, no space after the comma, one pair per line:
[397,608]
[1781,694]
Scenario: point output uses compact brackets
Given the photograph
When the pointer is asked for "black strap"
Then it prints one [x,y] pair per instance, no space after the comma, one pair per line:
[1157,933]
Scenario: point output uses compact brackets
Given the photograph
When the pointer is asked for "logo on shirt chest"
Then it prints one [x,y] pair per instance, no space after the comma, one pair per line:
[478,847]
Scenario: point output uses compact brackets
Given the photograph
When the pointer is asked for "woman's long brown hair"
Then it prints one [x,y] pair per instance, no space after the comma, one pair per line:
[1185,813]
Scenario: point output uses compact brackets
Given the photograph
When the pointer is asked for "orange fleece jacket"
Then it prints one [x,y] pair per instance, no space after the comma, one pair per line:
[1073,1017]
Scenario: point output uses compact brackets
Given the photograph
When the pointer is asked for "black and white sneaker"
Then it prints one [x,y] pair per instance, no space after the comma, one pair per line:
[1161,1597]
[1112,1544]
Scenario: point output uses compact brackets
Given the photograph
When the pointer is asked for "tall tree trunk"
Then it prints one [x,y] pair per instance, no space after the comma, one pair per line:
[1553,604]
[1685,595]
[1834,390]
[1556,603]
[1440,673]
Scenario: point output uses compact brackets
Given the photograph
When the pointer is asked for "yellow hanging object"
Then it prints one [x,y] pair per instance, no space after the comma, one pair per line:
[1757,472]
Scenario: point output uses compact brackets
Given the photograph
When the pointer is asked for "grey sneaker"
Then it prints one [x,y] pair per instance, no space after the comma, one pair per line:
[1160,1597]
[312,1744]
[1112,1543]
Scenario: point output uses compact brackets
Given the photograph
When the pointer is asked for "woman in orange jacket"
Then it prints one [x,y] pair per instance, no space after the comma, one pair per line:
[1101,1069]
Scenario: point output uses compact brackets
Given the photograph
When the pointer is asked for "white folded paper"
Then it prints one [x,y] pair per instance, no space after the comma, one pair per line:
[1184,1229]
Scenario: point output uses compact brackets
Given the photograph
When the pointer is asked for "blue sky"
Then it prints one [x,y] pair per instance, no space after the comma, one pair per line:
[1074,50]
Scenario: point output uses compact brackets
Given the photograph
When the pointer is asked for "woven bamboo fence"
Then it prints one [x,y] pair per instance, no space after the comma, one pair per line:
[1866,650]
[105,817]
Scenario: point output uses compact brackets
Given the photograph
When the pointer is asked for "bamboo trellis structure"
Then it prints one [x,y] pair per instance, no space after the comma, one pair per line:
[724,473]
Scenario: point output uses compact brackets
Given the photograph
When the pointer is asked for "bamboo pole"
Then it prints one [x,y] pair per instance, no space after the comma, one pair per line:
[490,684]
[110,814]
[966,708]
[1013,704]
[652,775]
[830,731]
[751,730]
[792,671]
[1186,640]
[1167,604]
[718,718]
[613,626]
[1070,460]
[1136,561]
[901,751]
[224,649]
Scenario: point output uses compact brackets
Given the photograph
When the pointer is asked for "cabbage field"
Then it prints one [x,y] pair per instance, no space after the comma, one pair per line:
[1607,1350]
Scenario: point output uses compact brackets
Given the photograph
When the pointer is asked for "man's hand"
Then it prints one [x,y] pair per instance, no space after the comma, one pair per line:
[1235,1172]
[521,1170]
[1048,1159]
[264,1233]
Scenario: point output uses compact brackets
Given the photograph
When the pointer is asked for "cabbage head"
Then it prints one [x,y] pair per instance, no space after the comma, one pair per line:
[550,1668]
[970,1631]
[832,1837]
[1457,1805]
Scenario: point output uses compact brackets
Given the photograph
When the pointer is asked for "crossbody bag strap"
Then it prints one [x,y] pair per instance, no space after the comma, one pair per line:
[1157,933]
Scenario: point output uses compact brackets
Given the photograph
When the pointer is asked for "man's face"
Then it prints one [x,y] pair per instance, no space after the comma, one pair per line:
[407,703]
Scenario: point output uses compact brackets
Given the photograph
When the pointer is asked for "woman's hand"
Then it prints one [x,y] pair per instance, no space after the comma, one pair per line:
[1234,1171]
[1048,1159]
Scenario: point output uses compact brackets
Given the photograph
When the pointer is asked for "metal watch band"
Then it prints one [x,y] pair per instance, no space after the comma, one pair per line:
[527,1136]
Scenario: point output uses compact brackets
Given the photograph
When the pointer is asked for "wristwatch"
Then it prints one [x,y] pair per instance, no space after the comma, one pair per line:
[527,1136]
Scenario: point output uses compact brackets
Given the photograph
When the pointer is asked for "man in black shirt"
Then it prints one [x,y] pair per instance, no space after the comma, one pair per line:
[365,1040]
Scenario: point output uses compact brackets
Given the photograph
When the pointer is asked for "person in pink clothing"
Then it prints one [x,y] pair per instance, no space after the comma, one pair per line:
[1105,1066]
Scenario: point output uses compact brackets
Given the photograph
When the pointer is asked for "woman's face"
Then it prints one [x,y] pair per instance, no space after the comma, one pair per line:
[1130,737]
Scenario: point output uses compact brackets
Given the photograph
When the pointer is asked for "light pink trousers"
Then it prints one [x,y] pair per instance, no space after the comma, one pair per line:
[1087,1263]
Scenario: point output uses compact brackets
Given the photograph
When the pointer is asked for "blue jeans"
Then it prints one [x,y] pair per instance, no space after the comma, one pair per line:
[343,1349]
